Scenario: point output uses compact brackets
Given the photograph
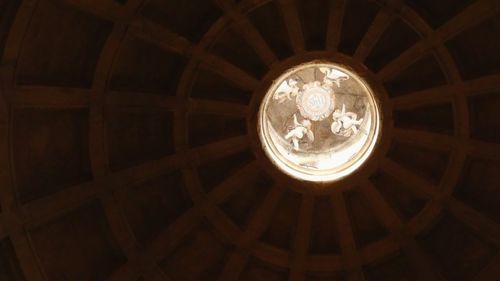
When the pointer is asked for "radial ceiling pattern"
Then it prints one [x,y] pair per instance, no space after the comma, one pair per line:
[128,146]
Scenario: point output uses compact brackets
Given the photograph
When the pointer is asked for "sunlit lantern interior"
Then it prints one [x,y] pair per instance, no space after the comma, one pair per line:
[319,122]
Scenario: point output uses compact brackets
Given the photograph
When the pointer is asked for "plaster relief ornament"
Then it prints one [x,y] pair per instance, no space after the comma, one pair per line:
[286,90]
[345,123]
[304,129]
[300,130]
[315,101]
[333,76]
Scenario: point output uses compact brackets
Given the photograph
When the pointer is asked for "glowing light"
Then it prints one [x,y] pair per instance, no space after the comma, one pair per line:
[319,122]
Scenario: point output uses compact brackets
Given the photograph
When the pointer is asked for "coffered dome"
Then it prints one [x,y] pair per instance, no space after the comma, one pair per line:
[145,140]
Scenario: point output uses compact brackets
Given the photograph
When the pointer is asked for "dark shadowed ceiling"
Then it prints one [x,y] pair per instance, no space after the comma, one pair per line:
[128,149]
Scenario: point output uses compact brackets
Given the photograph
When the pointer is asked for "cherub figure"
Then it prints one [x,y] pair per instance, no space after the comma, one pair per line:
[300,130]
[286,90]
[333,76]
[345,123]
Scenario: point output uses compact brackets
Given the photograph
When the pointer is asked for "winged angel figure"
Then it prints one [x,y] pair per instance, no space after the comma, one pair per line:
[286,90]
[300,130]
[333,76]
[345,123]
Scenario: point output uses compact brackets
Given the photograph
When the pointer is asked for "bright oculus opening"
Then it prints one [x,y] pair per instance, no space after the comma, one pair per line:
[319,122]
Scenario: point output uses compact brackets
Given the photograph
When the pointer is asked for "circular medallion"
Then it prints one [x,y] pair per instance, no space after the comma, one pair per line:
[315,102]
[319,122]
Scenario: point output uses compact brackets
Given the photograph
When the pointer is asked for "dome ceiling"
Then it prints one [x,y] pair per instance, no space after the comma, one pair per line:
[129,146]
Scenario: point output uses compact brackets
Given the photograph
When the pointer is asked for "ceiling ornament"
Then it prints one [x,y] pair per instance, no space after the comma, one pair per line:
[318,118]
[315,101]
